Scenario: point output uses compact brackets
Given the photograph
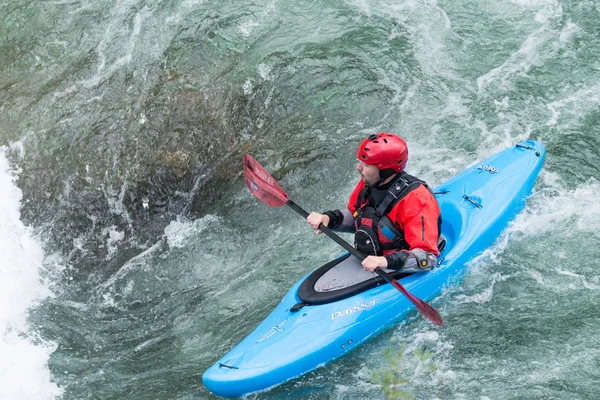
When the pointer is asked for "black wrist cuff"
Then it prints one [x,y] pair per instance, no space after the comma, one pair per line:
[397,259]
[335,218]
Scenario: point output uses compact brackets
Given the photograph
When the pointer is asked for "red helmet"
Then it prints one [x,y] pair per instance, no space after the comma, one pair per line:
[385,151]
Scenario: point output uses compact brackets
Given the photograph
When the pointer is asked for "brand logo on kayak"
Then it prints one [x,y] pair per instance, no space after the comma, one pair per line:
[488,168]
[273,330]
[352,310]
[254,186]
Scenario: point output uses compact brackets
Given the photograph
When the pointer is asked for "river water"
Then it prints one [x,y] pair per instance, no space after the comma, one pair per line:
[133,256]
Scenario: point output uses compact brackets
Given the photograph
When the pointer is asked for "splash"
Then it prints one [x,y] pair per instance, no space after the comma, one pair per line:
[556,210]
[23,357]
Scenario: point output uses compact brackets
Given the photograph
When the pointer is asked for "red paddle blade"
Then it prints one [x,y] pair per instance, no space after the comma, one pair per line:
[261,184]
[425,309]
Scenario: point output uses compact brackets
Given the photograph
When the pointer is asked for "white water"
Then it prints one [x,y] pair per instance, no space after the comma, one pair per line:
[24,372]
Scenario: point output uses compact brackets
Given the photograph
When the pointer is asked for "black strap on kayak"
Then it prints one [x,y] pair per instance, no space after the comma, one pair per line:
[298,306]
[227,366]
[524,146]
[470,200]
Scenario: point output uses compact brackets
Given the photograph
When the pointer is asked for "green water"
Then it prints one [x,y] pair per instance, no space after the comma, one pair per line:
[127,121]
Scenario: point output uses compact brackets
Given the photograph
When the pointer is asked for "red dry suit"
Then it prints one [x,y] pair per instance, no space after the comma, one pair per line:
[411,218]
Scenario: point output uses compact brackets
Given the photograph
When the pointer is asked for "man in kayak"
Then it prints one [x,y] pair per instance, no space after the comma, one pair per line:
[395,216]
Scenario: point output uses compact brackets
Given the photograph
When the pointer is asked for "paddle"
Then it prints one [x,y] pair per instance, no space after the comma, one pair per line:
[266,189]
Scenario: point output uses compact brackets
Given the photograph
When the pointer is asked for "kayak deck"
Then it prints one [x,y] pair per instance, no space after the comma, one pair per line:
[344,277]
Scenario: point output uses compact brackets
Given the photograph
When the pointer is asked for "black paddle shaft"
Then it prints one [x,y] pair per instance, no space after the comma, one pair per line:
[328,232]
[339,240]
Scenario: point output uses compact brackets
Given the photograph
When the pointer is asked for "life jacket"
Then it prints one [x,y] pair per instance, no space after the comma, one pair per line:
[376,233]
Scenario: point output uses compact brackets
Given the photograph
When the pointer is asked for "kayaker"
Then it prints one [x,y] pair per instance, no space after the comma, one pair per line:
[395,216]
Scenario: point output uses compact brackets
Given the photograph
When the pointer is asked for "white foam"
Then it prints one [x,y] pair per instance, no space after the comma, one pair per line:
[178,231]
[18,147]
[115,202]
[580,102]
[247,87]
[132,265]
[102,71]
[264,71]
[248,27]
[562,210]
[541,45]
[429,34]
[482,297]
[114,237]
[363,6]
[23,356]
[177,235]
[584,282]
[533,3]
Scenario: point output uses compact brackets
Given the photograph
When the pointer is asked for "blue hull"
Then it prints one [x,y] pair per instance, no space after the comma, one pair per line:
[477,206]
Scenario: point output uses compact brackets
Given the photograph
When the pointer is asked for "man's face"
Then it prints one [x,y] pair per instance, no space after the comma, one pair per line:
[369,173]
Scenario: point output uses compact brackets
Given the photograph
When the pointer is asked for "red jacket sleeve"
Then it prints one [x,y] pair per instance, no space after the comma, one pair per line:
[417,215]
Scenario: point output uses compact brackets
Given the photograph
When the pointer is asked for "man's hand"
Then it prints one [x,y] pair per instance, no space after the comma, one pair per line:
[372,262]
[315,219]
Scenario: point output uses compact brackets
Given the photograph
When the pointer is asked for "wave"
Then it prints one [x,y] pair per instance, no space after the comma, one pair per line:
[23,356]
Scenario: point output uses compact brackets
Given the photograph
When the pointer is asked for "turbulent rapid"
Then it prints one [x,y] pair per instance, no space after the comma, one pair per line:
[133,255]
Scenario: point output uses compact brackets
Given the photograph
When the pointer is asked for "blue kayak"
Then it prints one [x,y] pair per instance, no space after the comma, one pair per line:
[337,307]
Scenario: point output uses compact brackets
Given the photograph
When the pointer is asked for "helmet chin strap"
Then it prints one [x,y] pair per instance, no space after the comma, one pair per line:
[384,174]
